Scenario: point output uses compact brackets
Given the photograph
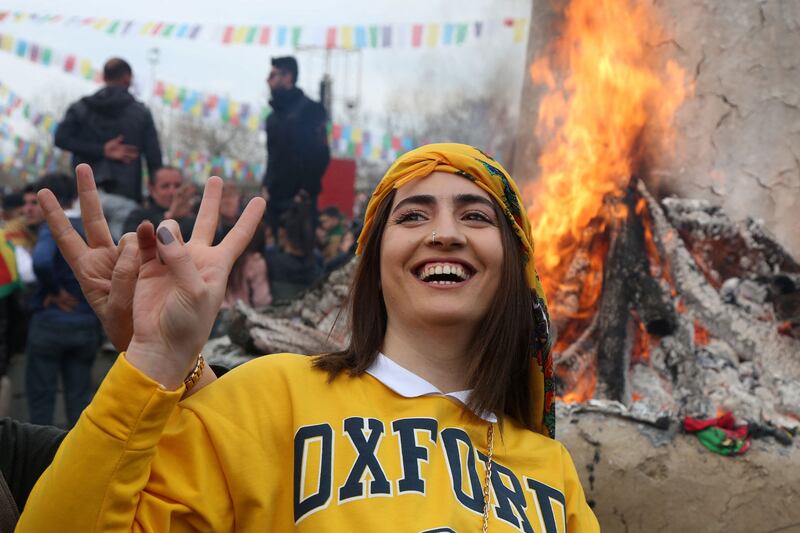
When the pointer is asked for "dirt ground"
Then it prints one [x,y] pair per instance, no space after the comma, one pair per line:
[678,485]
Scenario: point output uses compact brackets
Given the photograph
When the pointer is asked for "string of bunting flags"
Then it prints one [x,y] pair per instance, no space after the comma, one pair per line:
[364,36]
[30,159]
[11,102]
[346,140]
[46,56]
[200,166]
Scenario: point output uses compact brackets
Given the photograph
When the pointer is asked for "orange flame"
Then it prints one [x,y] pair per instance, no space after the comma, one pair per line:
[611,107]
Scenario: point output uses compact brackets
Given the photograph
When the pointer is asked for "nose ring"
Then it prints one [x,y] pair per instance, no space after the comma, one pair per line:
[433,238]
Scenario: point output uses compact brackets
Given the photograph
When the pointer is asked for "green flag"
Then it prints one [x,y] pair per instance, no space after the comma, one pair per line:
[461,33]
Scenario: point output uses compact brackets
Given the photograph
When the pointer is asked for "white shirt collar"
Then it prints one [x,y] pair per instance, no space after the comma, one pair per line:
[409,385]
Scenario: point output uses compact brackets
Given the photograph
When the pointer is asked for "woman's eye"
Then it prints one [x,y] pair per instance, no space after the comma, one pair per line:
[411,216]
[478,216]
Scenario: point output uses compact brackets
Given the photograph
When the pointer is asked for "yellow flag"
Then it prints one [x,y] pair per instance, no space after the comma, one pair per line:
[170,92]
[347,36]
[433,35]
[240,34]
[85,67]
[519,30]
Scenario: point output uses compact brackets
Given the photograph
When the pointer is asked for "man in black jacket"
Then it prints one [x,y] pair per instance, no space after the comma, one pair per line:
[110,130]
[297,143]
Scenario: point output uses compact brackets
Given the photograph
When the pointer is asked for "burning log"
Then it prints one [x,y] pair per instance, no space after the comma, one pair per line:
[628,289]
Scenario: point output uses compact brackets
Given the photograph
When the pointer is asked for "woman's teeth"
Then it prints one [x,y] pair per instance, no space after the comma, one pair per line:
[445,273]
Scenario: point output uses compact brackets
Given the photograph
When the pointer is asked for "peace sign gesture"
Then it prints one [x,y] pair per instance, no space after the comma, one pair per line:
[179,287]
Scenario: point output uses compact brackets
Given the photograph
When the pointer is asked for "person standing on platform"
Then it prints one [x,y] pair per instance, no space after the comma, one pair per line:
[111,131]
[297,143]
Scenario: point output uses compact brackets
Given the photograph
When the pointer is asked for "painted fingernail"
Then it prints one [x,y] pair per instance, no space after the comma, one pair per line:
[164,236]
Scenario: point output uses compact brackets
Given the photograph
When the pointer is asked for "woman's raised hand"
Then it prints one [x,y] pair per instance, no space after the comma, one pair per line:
[180,287]
[105,271]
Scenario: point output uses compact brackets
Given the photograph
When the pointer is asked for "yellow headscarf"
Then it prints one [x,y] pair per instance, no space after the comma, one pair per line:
[474,165]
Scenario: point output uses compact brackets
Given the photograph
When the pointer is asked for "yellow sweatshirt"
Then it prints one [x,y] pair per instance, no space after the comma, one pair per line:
[273,446]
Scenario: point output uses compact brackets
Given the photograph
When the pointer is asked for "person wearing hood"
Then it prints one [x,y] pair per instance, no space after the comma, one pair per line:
[297,143]
[111,131]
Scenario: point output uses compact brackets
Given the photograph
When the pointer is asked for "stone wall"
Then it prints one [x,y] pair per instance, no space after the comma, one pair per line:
[739,134]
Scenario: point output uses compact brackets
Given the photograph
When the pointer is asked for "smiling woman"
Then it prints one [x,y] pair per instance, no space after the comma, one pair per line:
[437,416]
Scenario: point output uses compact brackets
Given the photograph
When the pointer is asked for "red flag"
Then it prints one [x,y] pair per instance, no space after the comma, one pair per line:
[228,35]
[159,90]
[157,28]
[330,38]
[416,36]
[69,63]
[508,22]
[264,37]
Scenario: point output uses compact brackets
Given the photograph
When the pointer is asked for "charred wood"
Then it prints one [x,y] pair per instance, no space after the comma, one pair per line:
[750,338]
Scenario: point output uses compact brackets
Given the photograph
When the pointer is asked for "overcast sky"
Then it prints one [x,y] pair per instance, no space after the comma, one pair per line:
[239,71]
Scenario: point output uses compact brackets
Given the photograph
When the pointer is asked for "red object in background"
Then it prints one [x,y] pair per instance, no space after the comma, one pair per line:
[339,186]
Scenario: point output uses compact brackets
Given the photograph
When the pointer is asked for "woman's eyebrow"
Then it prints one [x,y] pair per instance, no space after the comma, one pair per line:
[464,199]
[420,199]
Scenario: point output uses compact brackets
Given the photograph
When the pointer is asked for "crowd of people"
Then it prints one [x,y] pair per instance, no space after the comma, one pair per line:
[42,310]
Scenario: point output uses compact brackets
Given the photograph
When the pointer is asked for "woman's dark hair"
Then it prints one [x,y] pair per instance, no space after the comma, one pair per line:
[500,354]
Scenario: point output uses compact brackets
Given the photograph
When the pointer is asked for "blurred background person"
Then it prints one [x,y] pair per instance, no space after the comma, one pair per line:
[64,332]
[248,282]
[230,207]
[293,267]
[169,196]
[297,143]
[111,131]
[9,284]
[330,231]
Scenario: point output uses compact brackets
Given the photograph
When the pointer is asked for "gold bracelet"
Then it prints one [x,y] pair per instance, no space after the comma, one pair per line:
[192,379]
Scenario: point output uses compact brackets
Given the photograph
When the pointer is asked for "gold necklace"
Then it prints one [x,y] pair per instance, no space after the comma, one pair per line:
[490,440]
